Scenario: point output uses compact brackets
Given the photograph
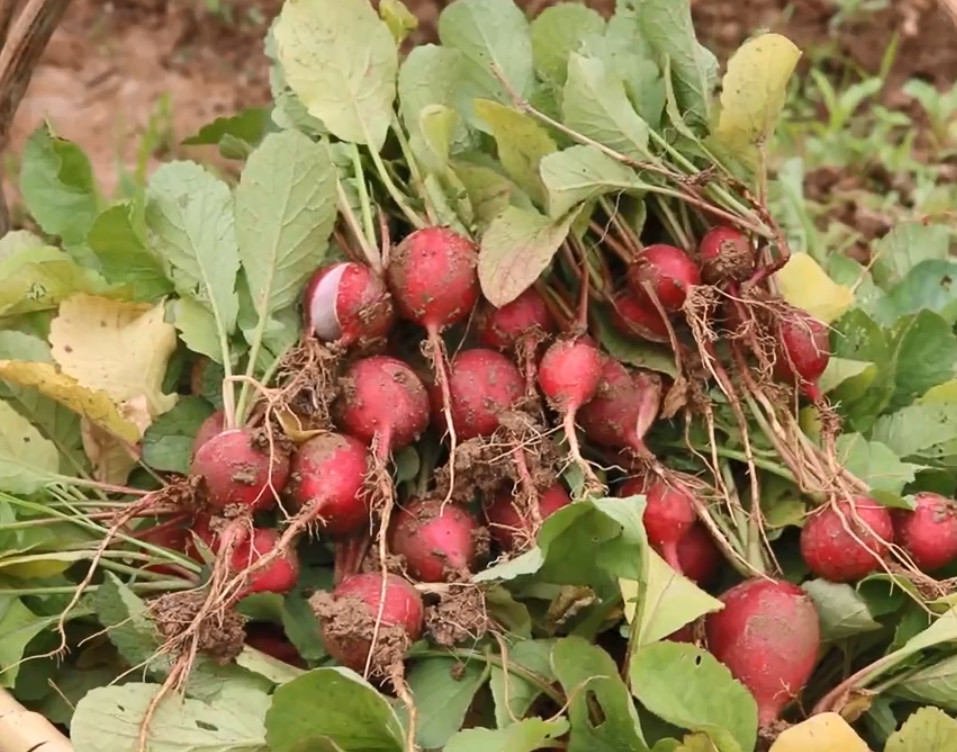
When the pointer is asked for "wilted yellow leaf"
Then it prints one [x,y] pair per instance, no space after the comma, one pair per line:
[119,348]
[112,458]
[806,285]
[825,732]
[753,92]
[90,403]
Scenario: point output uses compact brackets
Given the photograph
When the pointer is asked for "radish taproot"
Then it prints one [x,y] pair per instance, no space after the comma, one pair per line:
[278,576]
[768,635]
[669,513]
[929,532]
[438,541]
[348,303]
[845,541]
[235,471]
[503,328]
[726,256]
[802,350]
[514,528]
[328,473]
[623,408]
[635,318]
[668,271]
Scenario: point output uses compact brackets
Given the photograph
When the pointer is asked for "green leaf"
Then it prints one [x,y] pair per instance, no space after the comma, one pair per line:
[874,463]
[925,350]
[513,694]
[687,687]
[590,677]
[595,104]
[108,720]
[524,736]
[58,187]
[197,328]
[521,143]
[924,431]
[341,61]
[843,613]
[557,32]
[19,240]
[38,278]
[753,92]
[906,246]
[930,285]
[248,127]
[490,193]
[936,684]
[634,351]
[581,173]
[127,623]
[841,371]
[400,20]
[624,47]
[27,460]
[487,33]
[285,210]
[856,336]
[516,248]
[335,703]
[124,256]
[168,442]
[18,626]
[429,76]
[443,690]
[927,730]
[190,216]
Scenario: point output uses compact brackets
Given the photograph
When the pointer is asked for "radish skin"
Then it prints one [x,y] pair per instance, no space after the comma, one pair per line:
[235,472]
[511,528]
[438,541]
[348,303]
[669,514]
[846,543]
[929,532]
[670,273]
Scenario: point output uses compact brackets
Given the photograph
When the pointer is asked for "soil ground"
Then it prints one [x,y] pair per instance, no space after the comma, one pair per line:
[110,64]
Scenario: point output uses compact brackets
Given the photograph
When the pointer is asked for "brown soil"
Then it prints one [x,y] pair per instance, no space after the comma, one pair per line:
[221,636]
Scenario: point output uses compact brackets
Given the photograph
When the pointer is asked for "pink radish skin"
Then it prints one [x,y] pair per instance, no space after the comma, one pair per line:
[214,425]
[437,541]
[768,636]
[623,409]
[234,471]
[831,551]
[669,271]
[384,401]
[329,471]
[348,303]
[803,351]
[634,318]
[502,328]
[726,256]
[698,556]
[929,533]
[402,607]
[279,576]
[483,384]
[669,514]
[508,528]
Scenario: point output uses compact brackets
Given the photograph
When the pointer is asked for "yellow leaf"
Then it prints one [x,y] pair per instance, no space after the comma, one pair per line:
[826,732]
[119,348]
[90,403]
[113,459]
[806,285]
[753,92]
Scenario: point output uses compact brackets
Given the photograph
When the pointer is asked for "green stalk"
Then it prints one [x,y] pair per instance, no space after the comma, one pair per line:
[414,219]
[136,587]
[733,454]
[364,203]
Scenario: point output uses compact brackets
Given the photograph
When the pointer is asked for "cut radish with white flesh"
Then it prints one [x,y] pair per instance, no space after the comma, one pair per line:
[323,317]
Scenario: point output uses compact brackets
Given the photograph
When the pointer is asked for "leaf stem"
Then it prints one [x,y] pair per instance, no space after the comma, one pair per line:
[414,219]
[364,203]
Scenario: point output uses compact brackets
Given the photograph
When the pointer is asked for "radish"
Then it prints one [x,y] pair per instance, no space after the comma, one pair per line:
[270,639]
[929,533]
[213,425]
[668,271]
[669,513]
[623,409]
[802,350]
[503,328]
[844,542]
[726,256]
[348,618]
[438,541]
[279,576]
[768,636]
[569,375]
[483,384]
[329,472]
[513,528]
[234,470]
[171,534]
[348,303]
[699,556]
[634,318]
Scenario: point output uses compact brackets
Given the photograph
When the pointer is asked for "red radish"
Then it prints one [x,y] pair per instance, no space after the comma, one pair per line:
[330,471]
[512,528]
[172,534]
[437,540]
[623,409]
[846,541]
[214,425]
[383,401]
[634,318]
[768,636]
[235,471]
[502,328]
[685,634]
[348,303]
[669,513]
[350,643]
[802,350]
[483,384]
[271,640]
[726,256]
[569,375]
[669,271]
[699,556]
[278,576]
[929,533]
